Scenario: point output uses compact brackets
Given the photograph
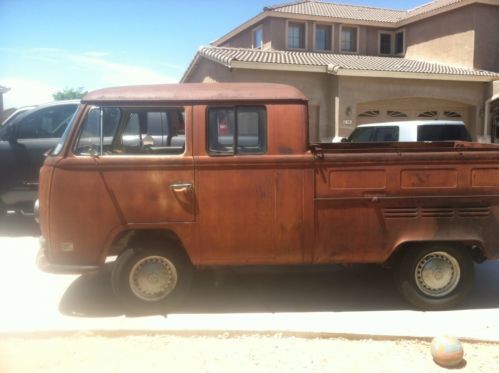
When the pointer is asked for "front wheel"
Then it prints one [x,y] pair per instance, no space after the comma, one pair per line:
[435,277]
[151,279]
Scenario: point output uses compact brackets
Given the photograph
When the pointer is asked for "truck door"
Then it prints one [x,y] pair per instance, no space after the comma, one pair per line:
[251,200]
[148,169]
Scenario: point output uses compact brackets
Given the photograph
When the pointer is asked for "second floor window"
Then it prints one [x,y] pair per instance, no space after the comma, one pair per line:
[323,38]
[258,37]
[349,39]
[399,42]
[296,35]
[385,43]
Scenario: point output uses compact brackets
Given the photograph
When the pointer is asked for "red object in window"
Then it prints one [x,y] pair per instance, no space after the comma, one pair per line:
[223,128]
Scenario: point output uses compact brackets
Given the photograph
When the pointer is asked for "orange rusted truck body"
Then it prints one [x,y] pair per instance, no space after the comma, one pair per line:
[266,198]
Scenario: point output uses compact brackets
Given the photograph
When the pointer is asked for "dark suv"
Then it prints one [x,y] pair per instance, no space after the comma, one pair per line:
[23,143]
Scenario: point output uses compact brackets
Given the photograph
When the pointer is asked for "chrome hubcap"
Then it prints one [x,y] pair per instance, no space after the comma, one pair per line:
[437,274]
[153,278]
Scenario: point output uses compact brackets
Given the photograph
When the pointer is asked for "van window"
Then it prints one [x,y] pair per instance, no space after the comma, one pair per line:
[89,138]
[133,131]
[439,132]
[239,130]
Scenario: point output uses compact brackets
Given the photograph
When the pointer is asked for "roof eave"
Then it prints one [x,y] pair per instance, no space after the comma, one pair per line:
[336,70]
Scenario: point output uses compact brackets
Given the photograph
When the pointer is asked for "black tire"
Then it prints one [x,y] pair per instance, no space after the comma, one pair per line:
[161,278]
[435,277]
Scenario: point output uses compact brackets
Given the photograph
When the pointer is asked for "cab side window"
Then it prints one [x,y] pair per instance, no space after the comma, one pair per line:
[133,131]
[89,139]
[237,130]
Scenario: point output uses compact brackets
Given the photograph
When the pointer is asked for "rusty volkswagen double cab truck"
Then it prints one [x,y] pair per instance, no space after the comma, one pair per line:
[174,178]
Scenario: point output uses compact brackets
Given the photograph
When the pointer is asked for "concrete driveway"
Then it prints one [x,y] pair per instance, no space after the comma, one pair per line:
[357,300]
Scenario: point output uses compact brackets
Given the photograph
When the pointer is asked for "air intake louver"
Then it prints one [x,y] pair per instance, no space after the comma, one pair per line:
[435,212]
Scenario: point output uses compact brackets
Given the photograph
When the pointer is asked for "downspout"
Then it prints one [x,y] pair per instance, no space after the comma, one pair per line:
[487,117]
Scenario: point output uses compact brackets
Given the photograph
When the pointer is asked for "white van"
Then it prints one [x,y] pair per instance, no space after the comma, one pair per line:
[417,130]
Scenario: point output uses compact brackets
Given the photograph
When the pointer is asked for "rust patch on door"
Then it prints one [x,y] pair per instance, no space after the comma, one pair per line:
[413,179]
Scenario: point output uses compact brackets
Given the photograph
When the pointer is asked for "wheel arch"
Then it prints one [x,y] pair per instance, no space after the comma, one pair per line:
[475,248]
[131,238]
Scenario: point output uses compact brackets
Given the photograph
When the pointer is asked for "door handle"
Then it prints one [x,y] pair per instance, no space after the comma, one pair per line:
[181,187]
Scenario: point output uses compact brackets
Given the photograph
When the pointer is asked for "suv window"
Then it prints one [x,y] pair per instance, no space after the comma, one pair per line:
[446,132]
[45,123]
[374,134]
[237,130]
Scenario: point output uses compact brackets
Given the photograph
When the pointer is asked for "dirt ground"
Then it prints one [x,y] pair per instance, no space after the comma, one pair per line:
[229,353]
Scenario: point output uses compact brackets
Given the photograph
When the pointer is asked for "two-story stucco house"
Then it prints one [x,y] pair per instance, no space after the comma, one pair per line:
[362,64]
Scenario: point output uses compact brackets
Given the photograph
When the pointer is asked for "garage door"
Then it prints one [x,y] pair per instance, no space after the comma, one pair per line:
[404,109]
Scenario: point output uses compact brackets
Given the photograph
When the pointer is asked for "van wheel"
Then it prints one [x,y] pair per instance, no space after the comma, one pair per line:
[151,279]
[435,277]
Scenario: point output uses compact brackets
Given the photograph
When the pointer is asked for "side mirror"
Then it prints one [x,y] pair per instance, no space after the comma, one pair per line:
[8,134]
[345,139]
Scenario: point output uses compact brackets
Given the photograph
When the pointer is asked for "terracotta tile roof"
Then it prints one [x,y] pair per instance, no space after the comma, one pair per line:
[322,9]
[362,13]
[334,62]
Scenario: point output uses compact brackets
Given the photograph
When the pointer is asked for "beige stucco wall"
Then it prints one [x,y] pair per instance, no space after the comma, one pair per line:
[446,38]
[486,18]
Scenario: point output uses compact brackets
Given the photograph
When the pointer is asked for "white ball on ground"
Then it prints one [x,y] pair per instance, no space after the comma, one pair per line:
[447,351]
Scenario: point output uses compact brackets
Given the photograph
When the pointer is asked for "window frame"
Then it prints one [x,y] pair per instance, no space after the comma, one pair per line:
[305,32]
[357,44]
[253,33]
[331,37]
[235,152]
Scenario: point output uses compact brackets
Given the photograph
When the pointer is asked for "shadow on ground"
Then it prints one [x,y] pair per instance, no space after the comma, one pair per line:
[18,226]
[327,289]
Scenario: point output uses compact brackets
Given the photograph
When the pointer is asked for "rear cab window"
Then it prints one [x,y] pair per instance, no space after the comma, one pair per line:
[137,131]
[236,130]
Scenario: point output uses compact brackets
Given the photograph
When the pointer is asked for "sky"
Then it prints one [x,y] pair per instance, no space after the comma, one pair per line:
[50,45]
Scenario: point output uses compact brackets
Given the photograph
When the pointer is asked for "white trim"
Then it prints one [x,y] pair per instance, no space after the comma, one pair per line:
[392,38]
[305,35]
[331,44]
[253,31]
[358,39]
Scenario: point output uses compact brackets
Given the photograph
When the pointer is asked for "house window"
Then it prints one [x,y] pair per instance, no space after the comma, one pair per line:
[258,37]
[323,37]
[237,130]
[296,35]
[349,40]
[385,43]
[399,42]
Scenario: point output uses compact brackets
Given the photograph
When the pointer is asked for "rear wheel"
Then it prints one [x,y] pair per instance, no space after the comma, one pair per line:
[435,277]
[151,279]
